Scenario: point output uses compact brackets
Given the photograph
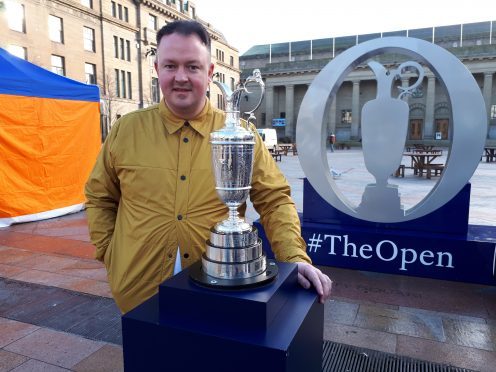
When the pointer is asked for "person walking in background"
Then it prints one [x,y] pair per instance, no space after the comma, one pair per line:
[332,141]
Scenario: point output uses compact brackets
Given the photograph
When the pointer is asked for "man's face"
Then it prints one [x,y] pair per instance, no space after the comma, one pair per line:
[184,72]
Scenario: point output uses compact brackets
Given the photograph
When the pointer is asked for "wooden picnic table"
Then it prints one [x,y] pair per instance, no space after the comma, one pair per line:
[285,148]
[422,147]
[423,161]
[490,154]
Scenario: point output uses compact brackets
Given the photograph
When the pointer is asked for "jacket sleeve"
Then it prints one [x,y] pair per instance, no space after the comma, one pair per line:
[103,194]
[271,197]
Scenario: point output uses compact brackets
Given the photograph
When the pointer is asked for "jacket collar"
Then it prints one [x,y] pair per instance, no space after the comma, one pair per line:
[173,123]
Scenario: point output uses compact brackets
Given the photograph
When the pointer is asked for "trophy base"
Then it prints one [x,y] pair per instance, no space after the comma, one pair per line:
[200,277]
[383,200]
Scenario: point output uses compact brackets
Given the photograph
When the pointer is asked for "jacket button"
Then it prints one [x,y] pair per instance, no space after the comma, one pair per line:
[186,123]
[186,255]
[185,140]
[183,178]
[169,255]
[179,217]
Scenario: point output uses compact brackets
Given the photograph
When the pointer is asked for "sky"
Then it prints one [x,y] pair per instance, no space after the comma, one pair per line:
[251,22]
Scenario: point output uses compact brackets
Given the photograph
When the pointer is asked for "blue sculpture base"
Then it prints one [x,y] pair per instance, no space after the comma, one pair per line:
[441,245]
[186,327]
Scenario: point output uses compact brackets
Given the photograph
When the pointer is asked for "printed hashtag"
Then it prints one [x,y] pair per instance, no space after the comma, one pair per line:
[314,243]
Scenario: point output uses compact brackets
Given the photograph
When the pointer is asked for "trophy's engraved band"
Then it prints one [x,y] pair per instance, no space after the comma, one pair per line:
[233,239]
[234,255]
[223,270]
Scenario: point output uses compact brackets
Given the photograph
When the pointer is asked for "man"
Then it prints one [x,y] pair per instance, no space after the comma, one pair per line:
[152,190]
[332,141]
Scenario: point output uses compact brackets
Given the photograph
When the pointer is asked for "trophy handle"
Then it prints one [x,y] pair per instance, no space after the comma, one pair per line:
[257,78]
[420,78]
[233,98]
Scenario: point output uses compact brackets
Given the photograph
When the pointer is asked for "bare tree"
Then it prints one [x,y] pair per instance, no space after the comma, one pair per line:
[109,102]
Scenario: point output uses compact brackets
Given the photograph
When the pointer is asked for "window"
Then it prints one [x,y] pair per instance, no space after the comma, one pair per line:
[89,39]
[232,84]
[123,84]
[493,111]
[116,47]
[117,85]
[221,77]
[90,73]
[193,12]
[55,29]
[87,3]
[346,116]
[129,86]
[152,22]
[123,89]
[220,101]
[155,90]
[219,54]
[119,11]
[17,51]
[231,60]
[16,16]
[122,48]
[58,65]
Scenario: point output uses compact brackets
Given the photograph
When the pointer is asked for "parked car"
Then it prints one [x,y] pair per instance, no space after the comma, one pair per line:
[269,137]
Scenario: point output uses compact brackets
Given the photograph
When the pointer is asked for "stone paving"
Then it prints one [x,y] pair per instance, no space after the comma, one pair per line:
[439,321]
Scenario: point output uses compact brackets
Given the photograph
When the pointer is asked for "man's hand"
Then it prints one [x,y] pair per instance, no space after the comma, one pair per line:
[309,275]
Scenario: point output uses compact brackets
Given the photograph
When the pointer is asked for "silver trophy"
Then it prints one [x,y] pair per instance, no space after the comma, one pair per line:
[234,256]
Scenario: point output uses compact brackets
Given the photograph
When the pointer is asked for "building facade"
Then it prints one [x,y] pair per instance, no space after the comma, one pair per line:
[110,43]
[289,68]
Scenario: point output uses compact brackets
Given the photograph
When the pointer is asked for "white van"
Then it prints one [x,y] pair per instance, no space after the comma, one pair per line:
[269,137]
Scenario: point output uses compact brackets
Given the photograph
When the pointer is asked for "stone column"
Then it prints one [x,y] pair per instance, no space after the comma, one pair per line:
[269,106]
[290,122]
[487,91]
[429,108]
[355,110]
[332,117]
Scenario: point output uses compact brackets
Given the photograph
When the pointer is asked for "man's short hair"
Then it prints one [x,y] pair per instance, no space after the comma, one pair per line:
[185,28]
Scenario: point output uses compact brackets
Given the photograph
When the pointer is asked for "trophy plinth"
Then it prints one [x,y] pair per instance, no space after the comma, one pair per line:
[233,256]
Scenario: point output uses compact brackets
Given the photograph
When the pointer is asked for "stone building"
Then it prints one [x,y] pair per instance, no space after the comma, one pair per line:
[289,68]
[106,42]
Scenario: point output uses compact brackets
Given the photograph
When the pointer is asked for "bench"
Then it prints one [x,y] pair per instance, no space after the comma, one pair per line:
[277,156]
[342,146]
[431,170]
[400,171]
[295,150]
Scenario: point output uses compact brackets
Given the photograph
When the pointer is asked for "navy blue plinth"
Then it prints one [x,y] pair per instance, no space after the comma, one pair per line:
[185,327]
[440,245]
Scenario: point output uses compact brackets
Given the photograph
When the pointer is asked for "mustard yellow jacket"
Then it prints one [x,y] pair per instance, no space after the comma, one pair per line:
[152,190]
